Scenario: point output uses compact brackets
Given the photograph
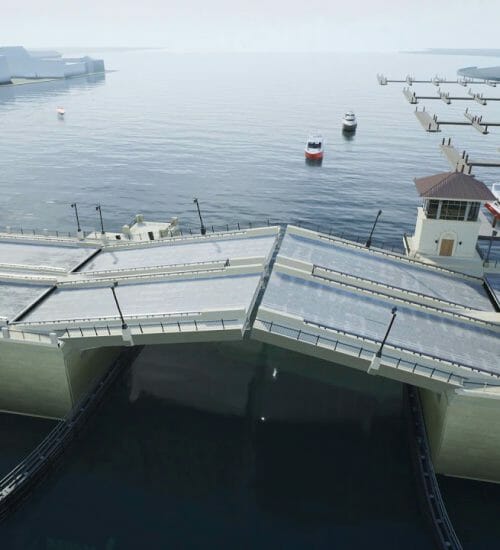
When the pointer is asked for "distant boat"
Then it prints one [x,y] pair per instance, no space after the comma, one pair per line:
[60,111]
[314,147]
[349,122]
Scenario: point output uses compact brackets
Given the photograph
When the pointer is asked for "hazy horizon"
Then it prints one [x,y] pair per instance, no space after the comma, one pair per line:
[253,26]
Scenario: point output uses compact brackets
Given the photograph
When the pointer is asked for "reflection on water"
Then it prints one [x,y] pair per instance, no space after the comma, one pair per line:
[314,162]
[348,135]
[53,88]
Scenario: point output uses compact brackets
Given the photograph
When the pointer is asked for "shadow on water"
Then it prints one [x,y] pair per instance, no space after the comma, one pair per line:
[314,162]
[38,90]
[348,135]
[149,473]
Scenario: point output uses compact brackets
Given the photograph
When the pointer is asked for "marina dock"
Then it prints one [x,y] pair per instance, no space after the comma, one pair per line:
[436,81]
[413,98]
[433,124]
[461,161]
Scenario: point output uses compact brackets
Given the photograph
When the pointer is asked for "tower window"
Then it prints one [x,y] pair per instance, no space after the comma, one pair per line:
[473,211]
[431,208]
[453,210]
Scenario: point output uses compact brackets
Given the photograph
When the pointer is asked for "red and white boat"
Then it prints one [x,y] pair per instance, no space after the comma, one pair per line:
[314,147]
[494,207]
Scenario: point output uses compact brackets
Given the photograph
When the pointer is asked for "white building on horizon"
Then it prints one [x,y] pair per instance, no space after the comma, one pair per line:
[17,62]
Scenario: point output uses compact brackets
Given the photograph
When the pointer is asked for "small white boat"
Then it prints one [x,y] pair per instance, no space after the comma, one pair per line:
[60,111]
[349,122]
[314,147]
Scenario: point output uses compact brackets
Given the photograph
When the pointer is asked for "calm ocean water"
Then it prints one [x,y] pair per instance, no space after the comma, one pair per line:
[230,130]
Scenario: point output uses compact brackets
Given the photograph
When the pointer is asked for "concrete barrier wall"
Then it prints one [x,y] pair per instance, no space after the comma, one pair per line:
[34,379]
[464,432]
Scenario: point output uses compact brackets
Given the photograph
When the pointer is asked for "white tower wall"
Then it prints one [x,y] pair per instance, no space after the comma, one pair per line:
[429,234]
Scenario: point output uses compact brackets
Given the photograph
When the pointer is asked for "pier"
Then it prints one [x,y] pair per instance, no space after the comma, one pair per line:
[433,124]
[413,98]
[436,81]
[461,162]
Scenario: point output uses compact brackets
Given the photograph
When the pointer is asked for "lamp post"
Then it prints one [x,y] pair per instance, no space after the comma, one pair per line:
[75,207]
[493,235]
[126,332]
[375,364]
[369,241]
[98,208]
[203,229]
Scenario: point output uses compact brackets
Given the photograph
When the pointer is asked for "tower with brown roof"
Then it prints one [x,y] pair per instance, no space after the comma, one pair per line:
[448,222]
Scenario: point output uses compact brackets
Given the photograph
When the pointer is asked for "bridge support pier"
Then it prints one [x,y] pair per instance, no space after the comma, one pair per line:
[464,432]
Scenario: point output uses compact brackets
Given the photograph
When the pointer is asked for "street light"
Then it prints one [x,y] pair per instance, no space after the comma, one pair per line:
[493,235]
[375,364]
[98,208]
[203,229]
[369,241]
[73,205]
[126,332]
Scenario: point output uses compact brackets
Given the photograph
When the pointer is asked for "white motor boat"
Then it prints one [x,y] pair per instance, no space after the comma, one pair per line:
[60,111]
[349,122]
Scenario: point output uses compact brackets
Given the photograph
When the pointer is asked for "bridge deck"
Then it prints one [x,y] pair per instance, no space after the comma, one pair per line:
[365,316]
[386,269]
[45,256]
[15,297]
[183,252]
[147,299]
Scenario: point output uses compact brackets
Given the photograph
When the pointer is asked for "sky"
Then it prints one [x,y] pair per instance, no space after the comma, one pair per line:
[251,25]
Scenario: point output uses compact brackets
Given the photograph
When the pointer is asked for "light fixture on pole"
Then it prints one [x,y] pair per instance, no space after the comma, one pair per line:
[79,231]
[369,240]
[375,364]
[103,233]
[126,332]
[203,229]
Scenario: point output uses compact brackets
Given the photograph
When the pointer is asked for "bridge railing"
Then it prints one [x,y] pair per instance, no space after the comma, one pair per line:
[391,287]
[362,352]
[194,325]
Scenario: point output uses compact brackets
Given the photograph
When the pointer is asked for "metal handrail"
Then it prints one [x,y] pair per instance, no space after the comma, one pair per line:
[360,350]
[116,330]
[405,350]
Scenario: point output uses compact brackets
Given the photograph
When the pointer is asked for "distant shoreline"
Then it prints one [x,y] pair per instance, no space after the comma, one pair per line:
[458,51]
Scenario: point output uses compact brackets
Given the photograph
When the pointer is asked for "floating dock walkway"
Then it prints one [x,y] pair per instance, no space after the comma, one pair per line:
[413,98]
[433,124]
[461,162]
[437,81]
